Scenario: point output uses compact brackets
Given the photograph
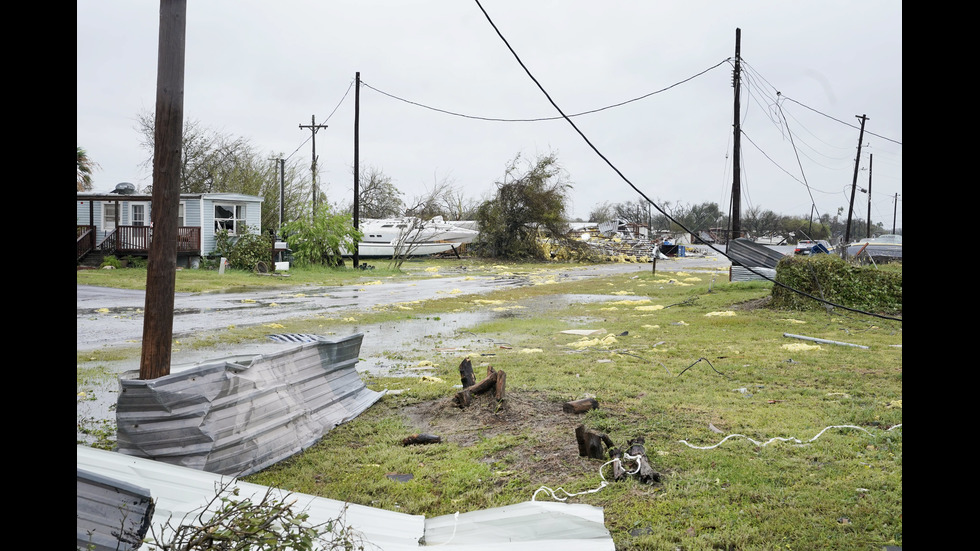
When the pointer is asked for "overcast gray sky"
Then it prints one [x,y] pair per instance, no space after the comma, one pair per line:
[258,70]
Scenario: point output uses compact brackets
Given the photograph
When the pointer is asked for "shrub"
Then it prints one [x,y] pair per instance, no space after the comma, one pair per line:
[320,242]
[833,279]
[244,252]
[110,260]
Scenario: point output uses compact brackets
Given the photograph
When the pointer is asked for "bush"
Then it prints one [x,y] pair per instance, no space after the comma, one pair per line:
[246,251]
[319,243]
[831,278]
[111,260]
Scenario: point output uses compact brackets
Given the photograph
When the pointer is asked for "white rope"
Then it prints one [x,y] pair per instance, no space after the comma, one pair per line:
[455,523]
[602,485]
[779,439]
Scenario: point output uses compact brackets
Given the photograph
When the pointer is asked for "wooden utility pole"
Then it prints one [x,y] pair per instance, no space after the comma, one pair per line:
[857,162]
[894,213]
[282,183]
[736,147]
[282,195]
[314,127]
[161,269]
[871,159]
[357,165]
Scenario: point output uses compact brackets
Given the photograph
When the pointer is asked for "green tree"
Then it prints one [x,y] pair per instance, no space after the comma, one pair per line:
[322,242]
[528,206]
[215,162]
[84,167]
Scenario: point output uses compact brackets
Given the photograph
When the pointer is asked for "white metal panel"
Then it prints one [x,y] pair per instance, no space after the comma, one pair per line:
[179,493]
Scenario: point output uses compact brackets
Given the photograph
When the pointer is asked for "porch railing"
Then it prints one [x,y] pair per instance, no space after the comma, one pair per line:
[86,240]
[126,240]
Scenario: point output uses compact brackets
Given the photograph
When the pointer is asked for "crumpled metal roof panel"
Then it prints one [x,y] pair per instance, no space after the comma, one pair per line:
[239,415]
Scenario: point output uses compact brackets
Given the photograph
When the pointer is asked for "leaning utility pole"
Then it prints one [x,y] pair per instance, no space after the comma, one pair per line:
[857,162]
[161,268]
[314,127]
[736,147]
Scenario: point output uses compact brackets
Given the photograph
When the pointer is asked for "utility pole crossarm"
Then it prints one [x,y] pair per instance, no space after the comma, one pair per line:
[314,127]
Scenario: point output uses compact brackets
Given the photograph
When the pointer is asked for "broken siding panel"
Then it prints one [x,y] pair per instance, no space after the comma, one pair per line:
[110,515]
[180,494]
[240,415]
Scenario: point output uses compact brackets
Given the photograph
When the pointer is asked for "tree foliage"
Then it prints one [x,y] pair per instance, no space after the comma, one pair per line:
[444,199]
[84,167]
[377,196]
[244,251]
[269,523]
[529,203]
[321,242]
[216,162]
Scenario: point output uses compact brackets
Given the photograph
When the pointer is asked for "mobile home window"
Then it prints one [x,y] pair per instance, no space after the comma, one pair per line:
[138,211]
[230,218]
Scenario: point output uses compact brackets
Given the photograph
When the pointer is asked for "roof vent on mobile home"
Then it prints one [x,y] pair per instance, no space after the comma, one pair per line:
[124,188]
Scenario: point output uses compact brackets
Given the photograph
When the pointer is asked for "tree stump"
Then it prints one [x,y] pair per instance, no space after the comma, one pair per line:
[590,444]
[580,406]
[495,380]
[466,373]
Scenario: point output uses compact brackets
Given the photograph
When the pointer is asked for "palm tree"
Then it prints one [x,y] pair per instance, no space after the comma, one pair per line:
[85,167]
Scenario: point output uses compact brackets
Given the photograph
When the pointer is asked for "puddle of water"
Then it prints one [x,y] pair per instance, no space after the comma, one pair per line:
[446,335]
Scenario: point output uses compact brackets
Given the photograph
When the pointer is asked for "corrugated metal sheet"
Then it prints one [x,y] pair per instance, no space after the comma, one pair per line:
[238,415]
[180,493]
[110,515]
[741,273]
[745,252]
[527,526]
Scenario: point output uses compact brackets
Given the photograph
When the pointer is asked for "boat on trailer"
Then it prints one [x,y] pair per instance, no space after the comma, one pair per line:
[410,236]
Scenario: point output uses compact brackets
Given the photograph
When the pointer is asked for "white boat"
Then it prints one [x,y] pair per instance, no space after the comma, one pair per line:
[883,248]
[410,236]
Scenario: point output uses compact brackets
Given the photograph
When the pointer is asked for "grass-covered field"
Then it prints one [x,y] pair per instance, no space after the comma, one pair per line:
[762,440]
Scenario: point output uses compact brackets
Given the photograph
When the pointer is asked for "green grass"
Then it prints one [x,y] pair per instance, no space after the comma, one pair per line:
[680,354]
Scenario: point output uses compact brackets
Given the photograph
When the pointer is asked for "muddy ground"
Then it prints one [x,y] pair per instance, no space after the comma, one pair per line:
[107,317]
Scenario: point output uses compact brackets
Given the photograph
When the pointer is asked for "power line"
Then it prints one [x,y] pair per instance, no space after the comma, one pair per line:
[628,182]
[540,119]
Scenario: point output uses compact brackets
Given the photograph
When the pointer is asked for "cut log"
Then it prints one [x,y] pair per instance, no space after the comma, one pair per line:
[421,439]
[590,444]
[644,472]
[580,406]
[466,373]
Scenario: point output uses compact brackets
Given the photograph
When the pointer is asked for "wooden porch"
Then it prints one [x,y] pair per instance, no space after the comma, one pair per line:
[134,241]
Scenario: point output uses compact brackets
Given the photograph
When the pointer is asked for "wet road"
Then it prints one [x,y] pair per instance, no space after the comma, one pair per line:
[107,317]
